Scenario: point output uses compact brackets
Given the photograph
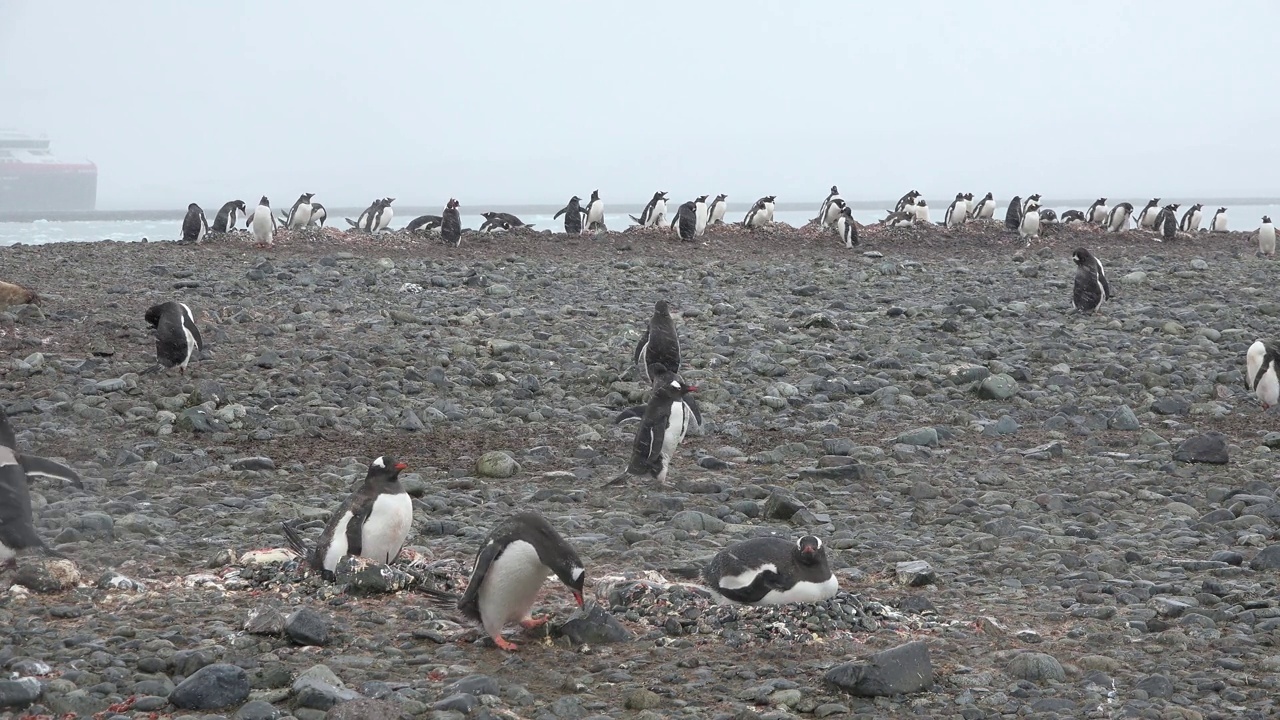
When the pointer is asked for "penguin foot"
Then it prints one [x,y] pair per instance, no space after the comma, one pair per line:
[505,644]
[533,623]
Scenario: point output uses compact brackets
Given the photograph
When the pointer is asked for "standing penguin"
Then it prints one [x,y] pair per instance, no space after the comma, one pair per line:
[957,211]
[903,202]
[381,219]
[985,209]
[772,571]
[654,212]
[1030,226]
[572,216]
[761,213]
[1267,237]
[225,221]
[1091,286]
[595,212]
[263,223]
[1097,212]
[373,521]
[362,221]
[300,213]
[194,225]
[1013,216]
[513,563]
[1167,221]
[1118,217]
[1191,219]
[830,209]
[826,203]
[17,522]
[666,420]
[658,344]
[1262,362]
[715,213]
[700,215]
[451,224]
[177,337]
[922,211]
[1147,216]
[685,222]
[1219,221]
[968,206]
[847,228]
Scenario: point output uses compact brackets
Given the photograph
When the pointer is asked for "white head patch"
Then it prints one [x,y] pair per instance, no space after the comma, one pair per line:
[675,384]
[377,462]
[577,573]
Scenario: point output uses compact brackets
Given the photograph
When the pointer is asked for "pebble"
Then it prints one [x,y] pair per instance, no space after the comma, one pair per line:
[212,687]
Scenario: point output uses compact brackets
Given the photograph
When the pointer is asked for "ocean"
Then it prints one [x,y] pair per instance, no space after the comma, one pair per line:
[165,227]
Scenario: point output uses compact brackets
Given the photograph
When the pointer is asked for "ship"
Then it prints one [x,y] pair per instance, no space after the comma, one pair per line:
[33,180]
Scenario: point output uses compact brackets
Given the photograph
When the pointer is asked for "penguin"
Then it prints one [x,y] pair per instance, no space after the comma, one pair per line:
[451,224]
[666,420]
[1267,237]
[715,213]
[1030,199]
[177,337]
[826,202]
[922,211]
[1262,362]
[362,221]
[968,206]
[194,225]
[654,212]
[685,222]
[901,219]
[830,209]
[225,221]
[34,466]
[12,294]
[1191,219]
[318,215]
[1091,287]
[514,221]
[700,215]
[904,201]
[17,522]
[381,218]
[1097,212]
[424,223]
[1072,216]
[300,213]
[1219,221]
[847,227]
[658,344]
[595,212]
[1030,226]
[495,220]
[1147,217]
[373,521]
[957,211]
[1048,215]
[986,208]
[1118,217]
[1167,221]
[761,213]
[772,571]
[1013,216]
[517,557]
[263,223]
[572,216]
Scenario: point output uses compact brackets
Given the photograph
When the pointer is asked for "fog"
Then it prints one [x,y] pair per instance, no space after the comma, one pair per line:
[518,102]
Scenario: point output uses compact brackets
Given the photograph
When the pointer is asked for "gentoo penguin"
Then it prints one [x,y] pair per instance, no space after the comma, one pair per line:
[595,212]
[12,294]
[497,219]
[772,571]
[300,213]
[1147,217]
[685,222]
[194,225]
[1262,362]
[904,201]
[17,523]
[1191,219]
[761,213]
[318,215]
[1030,199]
[968,205]
[654,212]
[572,216]
[1097,212]
[451,224]
[1219,221]
[1118,217]
[826,203]
[957,211]
[847,227]
[658,344]
[1072,216]
[1048,215]
[1091,286]
[225,221]
[424,223]
[922,211]
[1266,237]
[715,213]
[177,337]
[666,420]
[1013,216]
[986,208]
[263,223]
[382,217]
[700,215]
[33,465]
[901,219]
[1167,221]
[362,221]
[513,563]
[1030,226]
[372,522]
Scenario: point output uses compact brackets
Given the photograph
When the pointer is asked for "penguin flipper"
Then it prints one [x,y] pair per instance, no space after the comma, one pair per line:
[636,220]
[562,211]
[469,603]
[351,222]
[635,411]
[36,466]
[644,338]
[295,540]
[693,406]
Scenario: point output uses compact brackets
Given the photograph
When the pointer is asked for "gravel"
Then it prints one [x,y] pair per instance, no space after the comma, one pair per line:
[1055,515]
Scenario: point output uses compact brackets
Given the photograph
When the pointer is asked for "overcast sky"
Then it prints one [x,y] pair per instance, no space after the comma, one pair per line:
[514,101]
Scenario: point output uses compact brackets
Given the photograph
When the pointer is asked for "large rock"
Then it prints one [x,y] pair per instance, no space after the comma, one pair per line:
[212,687]
[998,387]
[1036,667]
[1206,448]
[307,627]
[497,464]
[45,574]
[897,671]
[594,626]
[19,693]
[1268,558]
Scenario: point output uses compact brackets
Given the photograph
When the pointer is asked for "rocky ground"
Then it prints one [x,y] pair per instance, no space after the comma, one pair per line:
[994,475]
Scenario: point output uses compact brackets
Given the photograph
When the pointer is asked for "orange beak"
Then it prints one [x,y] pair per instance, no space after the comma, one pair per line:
[402,466]
[577,596]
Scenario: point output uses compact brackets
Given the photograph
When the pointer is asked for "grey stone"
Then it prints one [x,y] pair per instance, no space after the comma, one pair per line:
[212,687]
[781,506]
[256,710]
[915,573]
[19,693]
[474,685]
[901,670]
[319,689]
[497,464]
[1123,419]
[998,387]
[253,463]
[695,521]
[366,709]
[593,626]
[1036,667]
[1207,448]
[307,627]
[1268,558]
[925,436]
[1156,686]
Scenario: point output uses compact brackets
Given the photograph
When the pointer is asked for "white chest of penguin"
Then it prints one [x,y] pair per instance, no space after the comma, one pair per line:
[677,426]
[387,527]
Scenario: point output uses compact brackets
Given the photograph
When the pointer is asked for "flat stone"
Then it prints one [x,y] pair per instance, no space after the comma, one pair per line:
[212,687]
[307,627]
[915,573]
[901,670]
[1036,667]
[1207,448]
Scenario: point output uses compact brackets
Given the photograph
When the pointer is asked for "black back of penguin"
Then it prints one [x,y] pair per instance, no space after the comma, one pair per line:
[646,450]
[451,224]
[1013,216]
[749,571]
[17,522]
[660,344]
[194,224]
[687,220]
[175,329]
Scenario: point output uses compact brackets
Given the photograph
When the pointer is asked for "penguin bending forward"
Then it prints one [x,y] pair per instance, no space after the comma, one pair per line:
[1091,287]
[654,212]
[513,563]
[17,522]
[177,337]
[225,221]
[658,344]
[1262,362]
[772,571]
[685,222]
[761,213]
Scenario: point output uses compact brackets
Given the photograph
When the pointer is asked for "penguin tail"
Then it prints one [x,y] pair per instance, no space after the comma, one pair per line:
[635,219]
[35,466]
[153,369]
[352,223]
[631,413]
[686,572]
[442,598]
[620,481]
[295,540]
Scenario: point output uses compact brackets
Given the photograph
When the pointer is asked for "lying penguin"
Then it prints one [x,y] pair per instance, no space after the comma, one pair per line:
[769,571]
